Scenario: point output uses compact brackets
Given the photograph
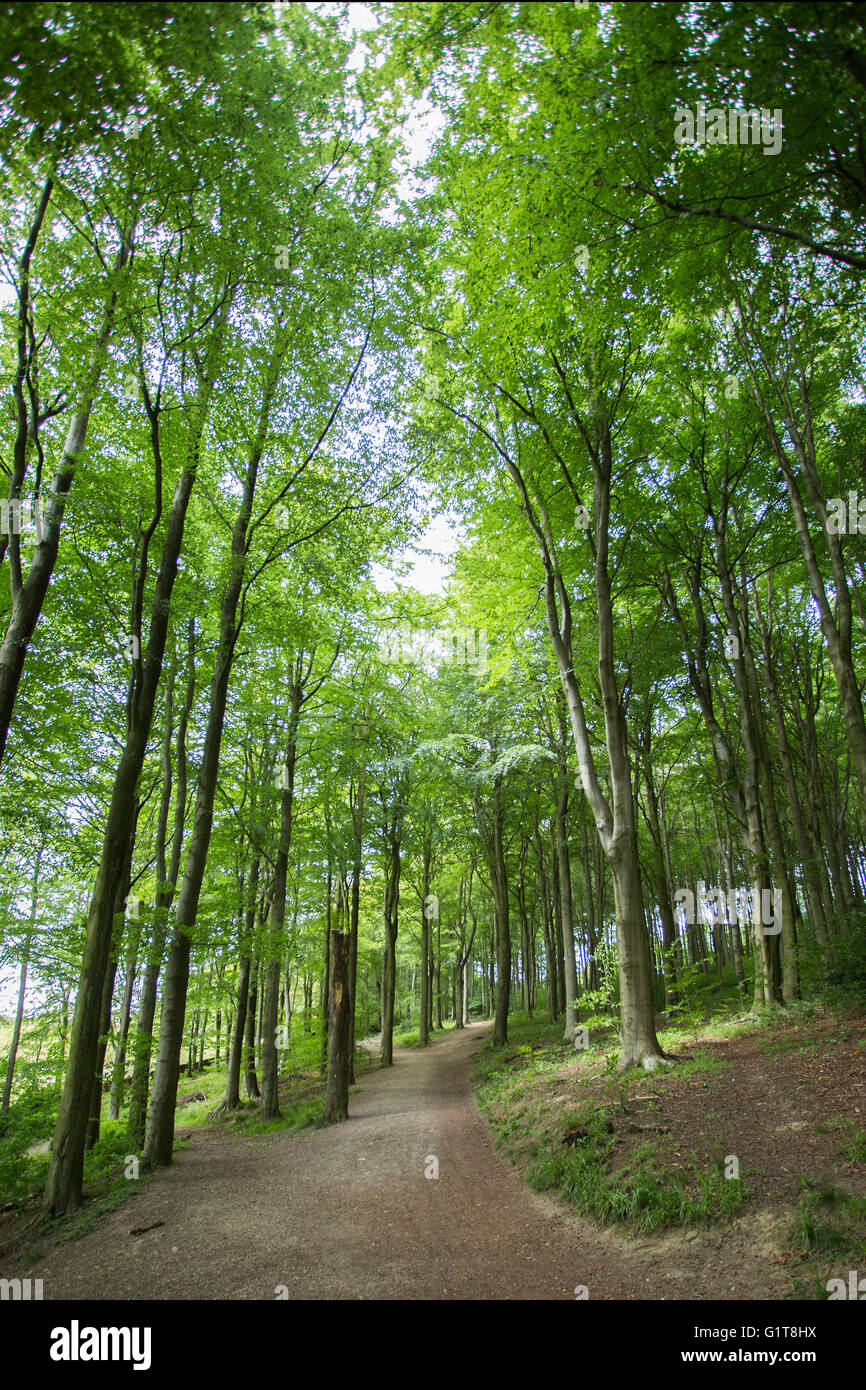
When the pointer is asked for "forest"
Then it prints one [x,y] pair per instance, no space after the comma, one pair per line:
[432,572]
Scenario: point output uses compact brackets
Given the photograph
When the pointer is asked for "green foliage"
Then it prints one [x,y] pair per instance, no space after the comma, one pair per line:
[644,1195]
[554,308]
[829,1221]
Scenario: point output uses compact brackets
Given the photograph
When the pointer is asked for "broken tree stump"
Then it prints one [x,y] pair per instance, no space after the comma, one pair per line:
[339,1030]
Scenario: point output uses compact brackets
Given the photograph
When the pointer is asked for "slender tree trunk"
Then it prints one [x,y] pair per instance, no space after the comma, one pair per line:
[28,595]
[63,1190]
[270,1061]
[118,1076]
[233,1078]
[166,880]
[423,1023]
[159,1136]
[437,974]
[389,972]
[250,1079]
[339,1036]
[95,1119]
[22,986]
[326,978]
[564,869]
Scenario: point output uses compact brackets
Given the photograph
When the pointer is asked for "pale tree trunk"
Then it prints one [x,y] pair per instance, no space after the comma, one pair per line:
[663,886]
[22,986]
[743,792]
[725,859]
[437,974]
[766,948]
[615,822]
[564,869]
[490,829]
[547,928]
[356,805]
[118,1077]
[835,614]
[465,951]
[804,848]
[423,1029]
[326,977]
[232,1098]
[501,920]
[270,1108]
[94,1122]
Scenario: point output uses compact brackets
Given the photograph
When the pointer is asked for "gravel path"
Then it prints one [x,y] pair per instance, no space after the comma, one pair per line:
[346,1212]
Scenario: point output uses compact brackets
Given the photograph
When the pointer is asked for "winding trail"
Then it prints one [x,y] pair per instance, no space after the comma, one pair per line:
[346,1212]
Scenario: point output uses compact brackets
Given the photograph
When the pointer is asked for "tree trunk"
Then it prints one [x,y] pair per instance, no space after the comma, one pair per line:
[22,986]
[389,971]
[63,1190]
[95,1118]
[166,879]
[339,1030]
[28,596]
[250,1079]
[564,868]
[232,1097]
[423,1022]
[326,978]
[270,1108]
[118,1076]
[159,1137]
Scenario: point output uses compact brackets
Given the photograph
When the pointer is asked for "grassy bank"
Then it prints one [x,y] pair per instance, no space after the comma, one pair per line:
[755,1116]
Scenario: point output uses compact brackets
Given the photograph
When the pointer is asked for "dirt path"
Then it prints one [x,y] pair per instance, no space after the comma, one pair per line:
[347,1213]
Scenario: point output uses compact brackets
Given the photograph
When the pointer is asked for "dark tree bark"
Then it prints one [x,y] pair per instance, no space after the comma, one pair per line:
[28,596]
[166,880]
[63,1190]
[326,977]
[159,1135]
[339,1030]
[250,1079]
[392,903]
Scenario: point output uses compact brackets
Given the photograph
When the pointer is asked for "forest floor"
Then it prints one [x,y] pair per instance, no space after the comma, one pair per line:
[347,1211]
[782,1096]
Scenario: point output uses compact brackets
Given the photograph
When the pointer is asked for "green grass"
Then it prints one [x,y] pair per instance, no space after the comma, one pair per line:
[411,1036]
[305,1113]
[852,1149]
[828,1233]
[573,1155]
[644,1195]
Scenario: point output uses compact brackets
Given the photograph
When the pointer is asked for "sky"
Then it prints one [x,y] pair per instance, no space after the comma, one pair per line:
[429,572]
